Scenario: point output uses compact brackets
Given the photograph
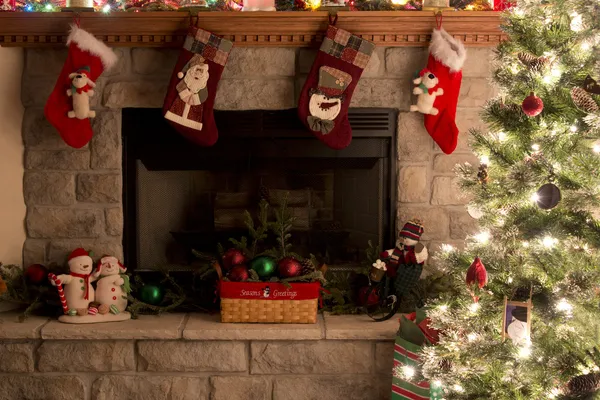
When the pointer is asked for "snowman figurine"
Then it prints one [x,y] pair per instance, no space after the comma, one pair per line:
[405,262]
[326,100]
[113,285]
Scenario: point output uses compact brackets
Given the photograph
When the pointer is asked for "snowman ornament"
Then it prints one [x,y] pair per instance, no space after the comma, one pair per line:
[113,285]
[326,100]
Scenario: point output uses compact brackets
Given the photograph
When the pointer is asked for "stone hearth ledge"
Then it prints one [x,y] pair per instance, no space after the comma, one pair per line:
[199,327]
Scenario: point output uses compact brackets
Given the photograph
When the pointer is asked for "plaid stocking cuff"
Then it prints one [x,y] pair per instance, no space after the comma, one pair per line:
[347,47]
[211,47]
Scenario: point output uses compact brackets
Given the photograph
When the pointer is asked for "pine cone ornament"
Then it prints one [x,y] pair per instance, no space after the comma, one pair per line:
[307,267]
[263,193]
[532,62]
[483,175]
[584,384]
[583,100]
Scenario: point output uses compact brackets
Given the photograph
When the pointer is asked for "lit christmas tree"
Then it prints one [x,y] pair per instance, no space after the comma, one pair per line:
[537,196]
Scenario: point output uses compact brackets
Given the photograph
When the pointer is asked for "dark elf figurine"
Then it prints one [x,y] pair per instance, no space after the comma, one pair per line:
[405,262]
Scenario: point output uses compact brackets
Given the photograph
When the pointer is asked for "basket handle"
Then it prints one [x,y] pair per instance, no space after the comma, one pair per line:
[217,268]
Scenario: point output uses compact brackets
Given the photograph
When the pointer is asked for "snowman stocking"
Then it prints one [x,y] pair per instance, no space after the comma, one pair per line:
[446,58]
[190,98]
[68,107]
[325,97]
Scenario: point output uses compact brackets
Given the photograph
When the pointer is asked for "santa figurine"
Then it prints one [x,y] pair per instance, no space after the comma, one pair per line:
[113,285]
[405,261]
[186,110]
[77,285]
[326,100]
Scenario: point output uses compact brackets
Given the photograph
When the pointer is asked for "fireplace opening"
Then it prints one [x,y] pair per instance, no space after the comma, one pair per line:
[179,196]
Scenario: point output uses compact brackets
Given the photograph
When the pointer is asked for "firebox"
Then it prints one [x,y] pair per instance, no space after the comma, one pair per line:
[180,197]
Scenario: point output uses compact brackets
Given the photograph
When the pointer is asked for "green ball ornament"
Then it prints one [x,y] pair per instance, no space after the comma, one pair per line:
[152,294]
[264,266]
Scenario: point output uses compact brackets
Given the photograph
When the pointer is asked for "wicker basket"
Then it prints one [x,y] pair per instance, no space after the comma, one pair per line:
[269,302]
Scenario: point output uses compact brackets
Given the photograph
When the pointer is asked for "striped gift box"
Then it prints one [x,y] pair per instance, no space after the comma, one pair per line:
[407,353]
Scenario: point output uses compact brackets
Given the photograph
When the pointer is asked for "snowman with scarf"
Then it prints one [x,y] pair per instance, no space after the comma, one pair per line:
[113,285]
[77,285]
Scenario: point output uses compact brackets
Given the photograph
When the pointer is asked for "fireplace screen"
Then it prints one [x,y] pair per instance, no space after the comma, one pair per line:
[180,197]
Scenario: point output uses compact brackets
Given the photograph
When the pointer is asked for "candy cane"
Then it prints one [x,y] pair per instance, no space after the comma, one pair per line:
[61,292]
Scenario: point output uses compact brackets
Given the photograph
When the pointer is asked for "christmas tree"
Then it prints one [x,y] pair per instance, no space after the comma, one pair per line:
[525,324]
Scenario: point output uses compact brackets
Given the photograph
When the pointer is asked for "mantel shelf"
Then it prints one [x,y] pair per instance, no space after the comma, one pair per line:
[278,29]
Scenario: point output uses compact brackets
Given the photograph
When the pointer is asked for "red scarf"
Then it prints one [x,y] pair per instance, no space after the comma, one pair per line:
[87,283]
[83,89]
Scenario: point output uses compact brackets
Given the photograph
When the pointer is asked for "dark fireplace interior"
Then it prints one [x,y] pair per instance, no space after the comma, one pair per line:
[179,196]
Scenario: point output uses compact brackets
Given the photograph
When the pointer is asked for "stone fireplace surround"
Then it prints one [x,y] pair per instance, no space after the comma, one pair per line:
[73,199]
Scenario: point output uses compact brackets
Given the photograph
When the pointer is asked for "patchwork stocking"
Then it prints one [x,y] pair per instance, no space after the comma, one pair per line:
[325,97]
[446,59]
[68,107]
[190,98]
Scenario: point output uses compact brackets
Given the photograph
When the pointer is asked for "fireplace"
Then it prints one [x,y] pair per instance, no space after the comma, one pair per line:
[179,196]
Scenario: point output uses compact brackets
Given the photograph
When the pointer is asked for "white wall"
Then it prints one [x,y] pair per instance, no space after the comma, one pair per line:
[12,205]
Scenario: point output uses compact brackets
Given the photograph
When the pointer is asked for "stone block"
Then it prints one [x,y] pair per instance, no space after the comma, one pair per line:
[257,62]
[241,388]
[49,188]
[114,221]
[165,326]
[85,356]
[192,356]
[462,225]
[52,223]
[99,188]
[384,357]
[34,251]
[38,133]
[36,387]
[474,92]
[414,143]
[45,62]
[405,61]
[435,219]
[13,326]
[445,164]
[154,61]
[16,357]
[138,387]
[318,357]
[106,143]
[391,93]
[59,250]
[479,62]
[327,388]
[35,91]
[241,94]
[446,191]
[144,94]
[122,65]
[413,186]
[62,160]
[358,327]
[467,119]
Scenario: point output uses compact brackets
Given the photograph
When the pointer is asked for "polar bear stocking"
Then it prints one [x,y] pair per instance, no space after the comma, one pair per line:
[446,58]
[68,107]
[325,97]
[190,98]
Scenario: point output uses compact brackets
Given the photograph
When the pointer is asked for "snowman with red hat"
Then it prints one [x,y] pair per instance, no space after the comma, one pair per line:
[76,287]
[113,286]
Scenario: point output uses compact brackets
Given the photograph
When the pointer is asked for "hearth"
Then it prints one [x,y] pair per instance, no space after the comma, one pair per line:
[179,196]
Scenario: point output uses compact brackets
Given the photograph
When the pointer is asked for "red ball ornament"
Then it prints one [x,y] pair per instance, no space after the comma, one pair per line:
[289,267]
[532,105]
[238,273]
[233,257]
[362,297]
[36,273]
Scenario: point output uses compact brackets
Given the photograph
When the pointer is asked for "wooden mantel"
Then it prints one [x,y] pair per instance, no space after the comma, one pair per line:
[285,29]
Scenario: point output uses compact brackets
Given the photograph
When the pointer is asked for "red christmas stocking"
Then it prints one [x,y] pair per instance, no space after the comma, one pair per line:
[68,107]
[438,89]
[190,99]
[325,97]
